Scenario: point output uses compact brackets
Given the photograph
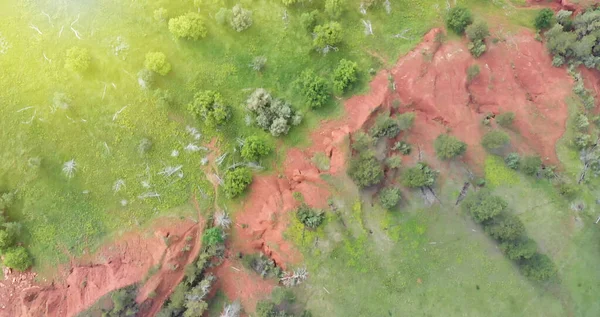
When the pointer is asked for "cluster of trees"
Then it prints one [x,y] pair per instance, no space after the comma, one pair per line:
[188,298]
[239,18]
[572,40]
[530,165]
[386,126]
[499,223]
[13,255]
[273,115]
[460,20]
[316,89]
[264,266]
[279,306]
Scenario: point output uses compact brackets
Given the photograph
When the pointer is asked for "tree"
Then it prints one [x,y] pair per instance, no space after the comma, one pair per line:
[241,18]
[477,48]
[403,147]
[385,126]
[327,35]
[362,141]
[394,162]
[309,20]
[273,115]
[209,106]
[530,165]
[17,258]
[458,19]
[448,147]
[539,267]
[334,8]
[405,120]
[477,31]
[520,249]
[581,122]
[258,63]
[265,308]
[506,228]
[254,148]
[389,197]
[505,119]
[188,26]
[236,181]
[7,239]
[495,140]
[145,78]
[513,160]
[544,19]
[212,236]
[314,88]
[418,176]
[365,170]
[309,217]
[157,62]
[484,206]
[344,75]
[78,59]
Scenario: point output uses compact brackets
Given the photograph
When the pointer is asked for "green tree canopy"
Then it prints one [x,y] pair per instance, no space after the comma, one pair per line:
[157,62]
[188,26]
[495,140]
[484,206]
[389,197]
[448,147]
[365,170]
[344,75]
[327,35]
[420,175]
[209,106]
[236,181]
[255,147]
[17,258]
[458,19]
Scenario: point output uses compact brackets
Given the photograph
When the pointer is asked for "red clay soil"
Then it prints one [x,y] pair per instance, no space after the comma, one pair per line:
[125,262]
[563,4]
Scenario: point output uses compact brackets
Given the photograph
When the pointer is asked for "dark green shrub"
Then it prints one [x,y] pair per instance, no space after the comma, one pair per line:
[505,228]
[209,106]
[448,147]
[518,250]
[385,126]
[495,140]
[458,19]
[344,75]
[477,48]
[310,217]
[365,170]
[314,88]
[530,165]
[17,258]
[255,147]
[484,206]
[505,119]
[212,236]
[362,141]
[544,19]
[389,197]
[513,160]
[420,175]
[236,181]
[539,267]
[402,147]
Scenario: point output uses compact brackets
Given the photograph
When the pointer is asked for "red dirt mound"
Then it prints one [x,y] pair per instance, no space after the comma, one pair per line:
[113,267]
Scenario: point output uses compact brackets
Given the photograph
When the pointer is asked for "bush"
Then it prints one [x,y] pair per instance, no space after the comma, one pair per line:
[530,165]
[365,170]
[327,35]
[448,147]
[362,141]
[157,62]
[544,19]
[145,78]
[188,26]
[254,148]
[241,18]
[506,228]
[314,88]
[265,308]
[7,239]
[17,258]
[477,31]
[582,140]
[520,249]
[477,48]
[394,162]
[405,120]
[212,236]
[539,267]
[505,119]
[567,190]
[472,72]
[420,175]
[389,197]
[78,59]
[495,140]
[458,19]
[309,20]
[484,206]
[273,115]
[309,217]
[208,105]
[236,181]
[334,8]
[581,122]
[513,160]
[344,75]
[385,126]
[402,147]
[258,63]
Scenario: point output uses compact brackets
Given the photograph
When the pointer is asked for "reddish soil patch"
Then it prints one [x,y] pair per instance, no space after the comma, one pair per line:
[123,263]
[563,4]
